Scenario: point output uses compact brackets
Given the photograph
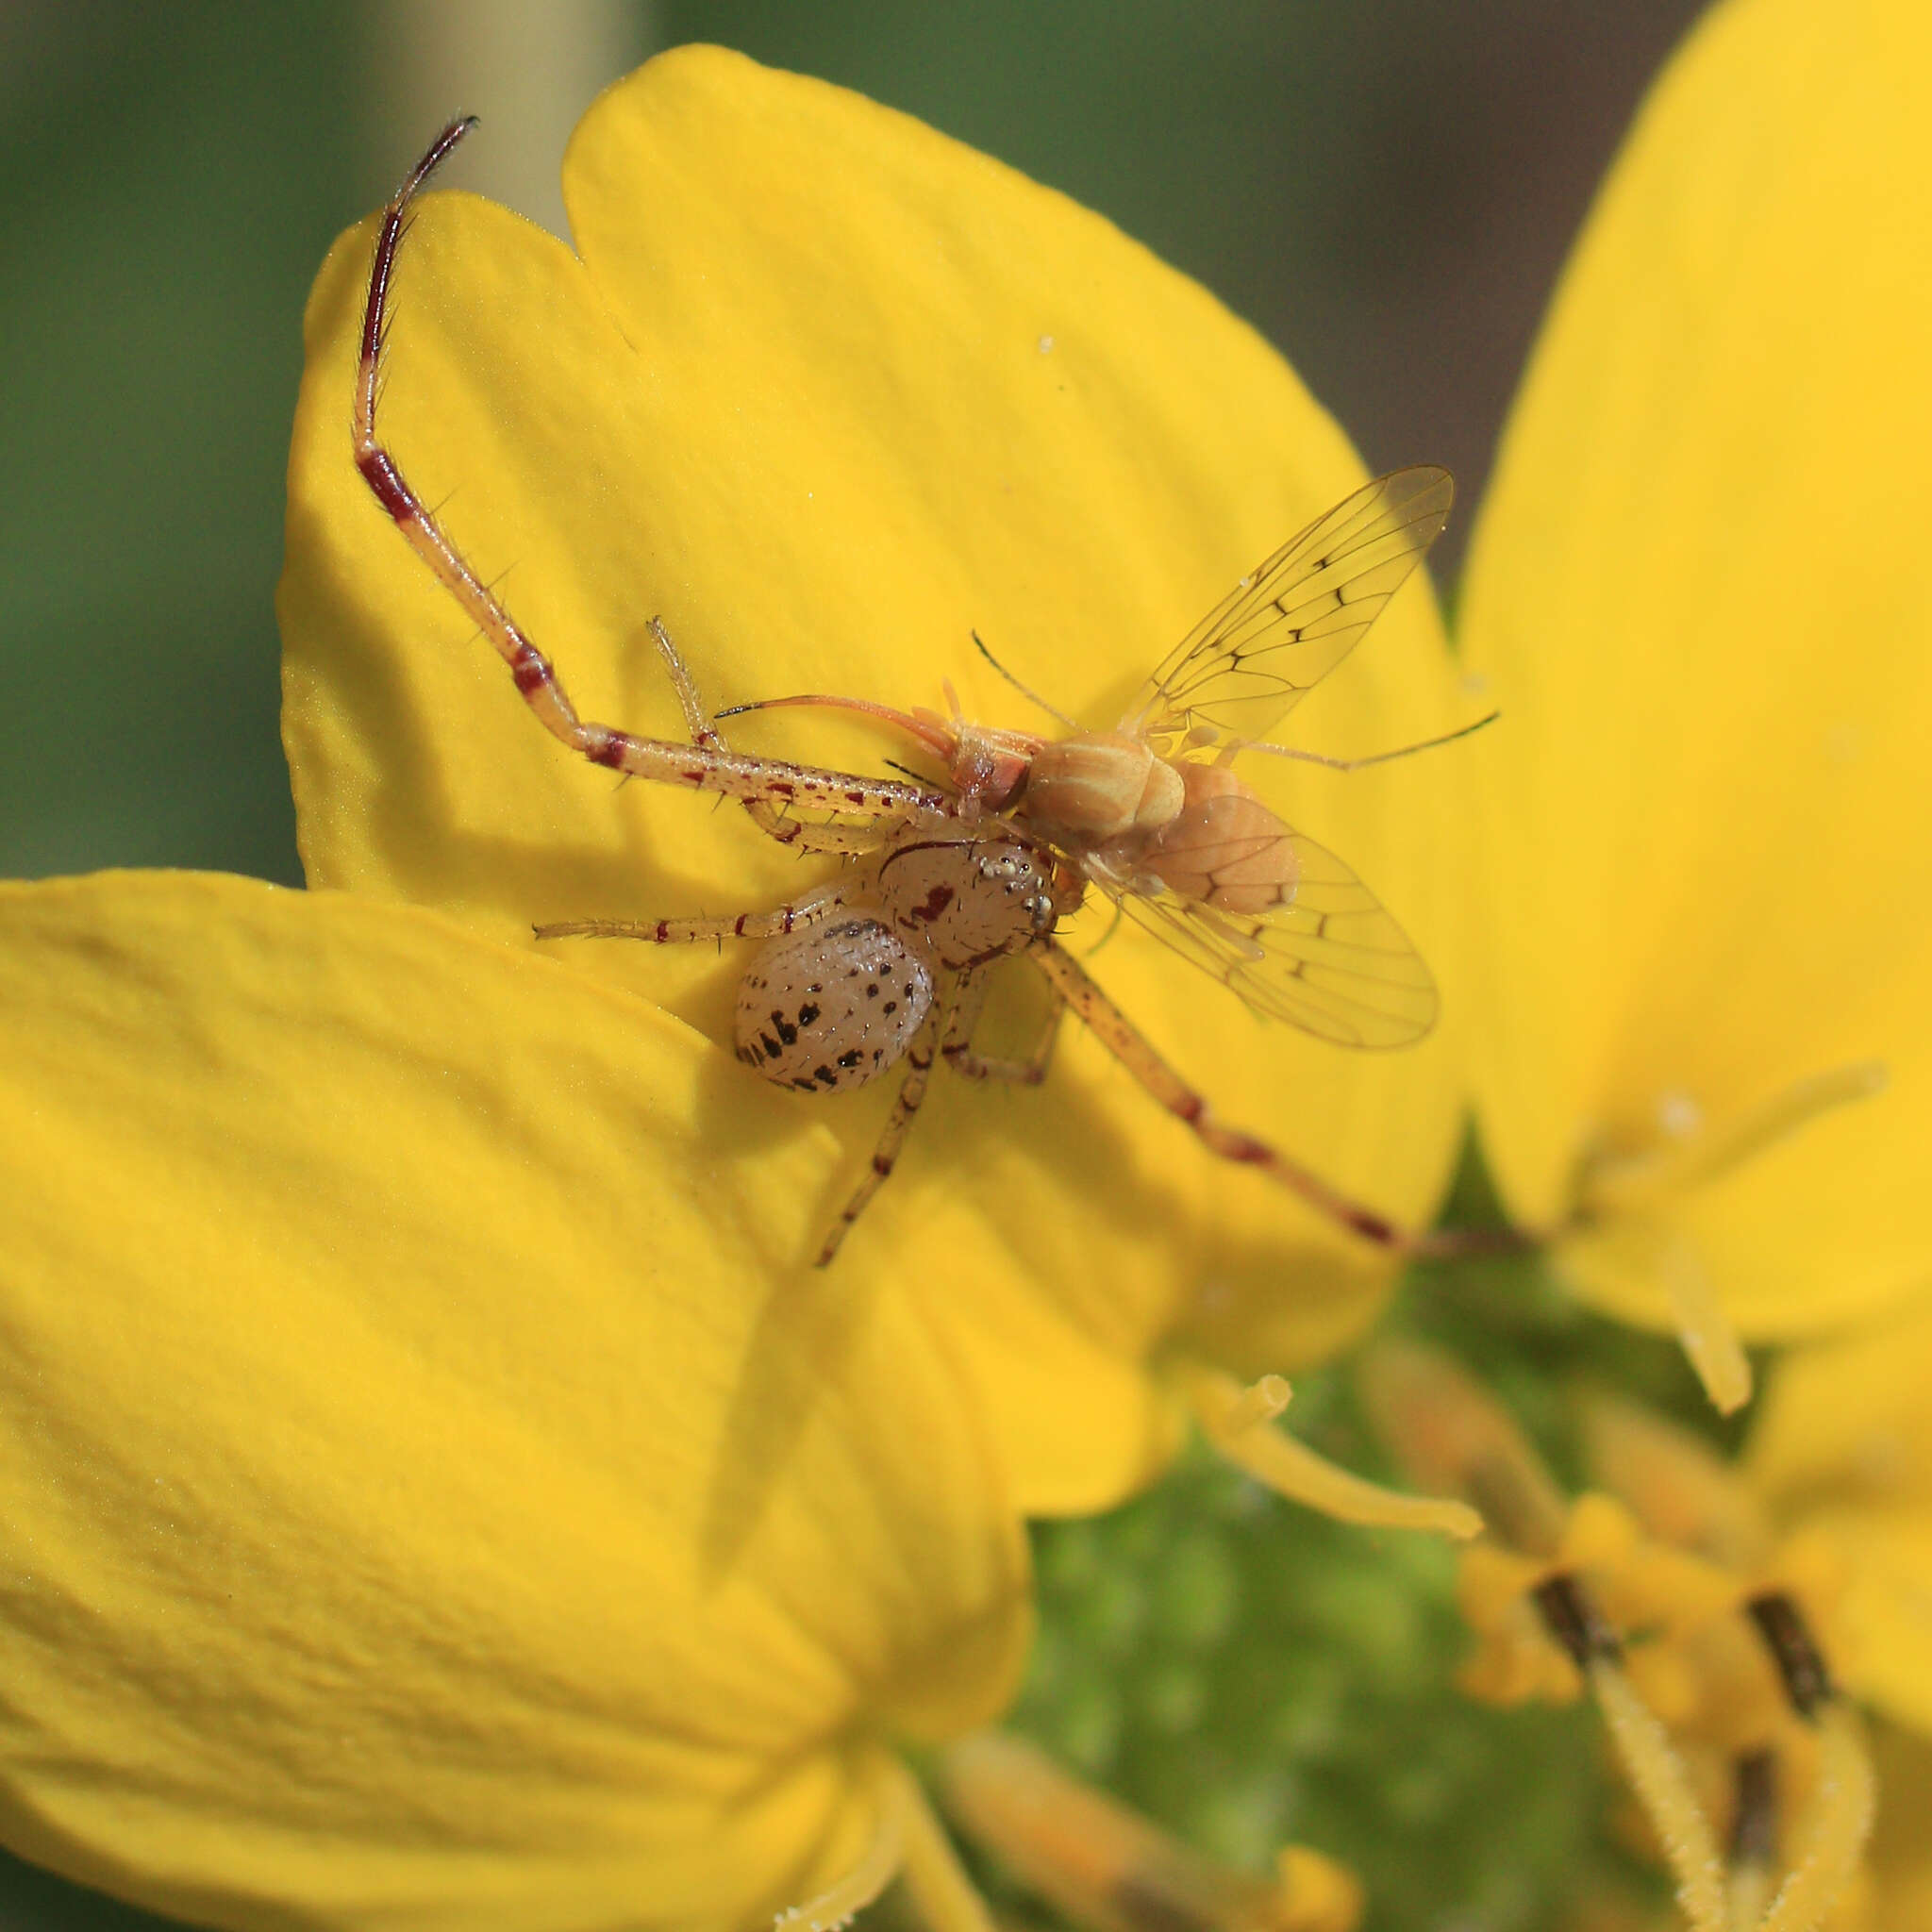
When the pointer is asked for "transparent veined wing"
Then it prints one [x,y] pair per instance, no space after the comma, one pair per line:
[1325,956]
[1293,619]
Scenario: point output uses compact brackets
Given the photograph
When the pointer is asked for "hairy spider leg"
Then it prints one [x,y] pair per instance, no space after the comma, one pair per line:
[806,835]
[932,1037]
[800,916]
[960,1056]
[1135,1053]
[774,782]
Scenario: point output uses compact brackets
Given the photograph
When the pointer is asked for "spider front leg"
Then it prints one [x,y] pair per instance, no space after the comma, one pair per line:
[769,783]
[801,916]
[1135,1053]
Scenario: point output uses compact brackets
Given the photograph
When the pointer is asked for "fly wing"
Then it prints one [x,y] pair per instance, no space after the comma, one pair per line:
[1293,619]
[1325,957]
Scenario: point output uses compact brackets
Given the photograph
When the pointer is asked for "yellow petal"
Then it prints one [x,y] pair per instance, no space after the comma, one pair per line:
[828,392]
[426,1501]
[1695,592]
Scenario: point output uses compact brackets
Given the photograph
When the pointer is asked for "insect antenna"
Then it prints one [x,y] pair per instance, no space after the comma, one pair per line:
[1113,926]
[1380,757]
[1025,691]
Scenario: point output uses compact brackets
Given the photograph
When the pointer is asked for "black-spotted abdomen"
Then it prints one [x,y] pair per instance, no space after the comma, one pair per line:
[832,1007]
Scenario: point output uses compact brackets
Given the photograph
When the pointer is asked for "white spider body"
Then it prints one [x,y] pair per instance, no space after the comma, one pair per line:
[827,1006]
[831,1006]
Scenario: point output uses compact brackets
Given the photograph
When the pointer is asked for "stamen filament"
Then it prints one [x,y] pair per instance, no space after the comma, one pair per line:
[1838,1822]
[1108,1867]
[1454,1439]
[1238,1422]
[944,1899]
[1620,1183]
[1709,1339]
[1657,1776]
[877,1866]
[1750,1885]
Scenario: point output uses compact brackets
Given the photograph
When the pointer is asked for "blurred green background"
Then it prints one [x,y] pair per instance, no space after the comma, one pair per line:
[1385,188]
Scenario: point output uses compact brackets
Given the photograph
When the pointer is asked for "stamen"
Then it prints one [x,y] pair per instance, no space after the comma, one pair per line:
[942,1895]
[1257,1404]
[1754,1838]
[1800,1664]
[1238,1422]
[1838,1822]
[1455,1437]
[1571,1616]
[1109,1868]
[1454,1441]
[1709,1339]
[877,1867]
[1616,1184]
[1663,1787]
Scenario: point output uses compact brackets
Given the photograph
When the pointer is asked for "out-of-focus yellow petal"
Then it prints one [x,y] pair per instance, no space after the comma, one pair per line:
[427,1501]
[1696,593]
[828,392]
[1844,1451]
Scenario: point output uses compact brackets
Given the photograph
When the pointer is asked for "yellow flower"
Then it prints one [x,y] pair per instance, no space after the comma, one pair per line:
[1695,593]
[1833,1494]
[1706,1637]
[828,393]
[427,1503]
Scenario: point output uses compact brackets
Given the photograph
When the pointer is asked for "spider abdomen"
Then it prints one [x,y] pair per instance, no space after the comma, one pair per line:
[832,1007]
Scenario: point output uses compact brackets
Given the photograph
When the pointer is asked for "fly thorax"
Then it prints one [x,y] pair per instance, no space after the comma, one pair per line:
[1225,848]
[962,899]
[1101,785]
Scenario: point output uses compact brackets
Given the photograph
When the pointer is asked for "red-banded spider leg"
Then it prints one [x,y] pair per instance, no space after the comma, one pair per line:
[964,1060]
[775,821]
[935,1033]
[774,786]
[815,908]
[1128,1046]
